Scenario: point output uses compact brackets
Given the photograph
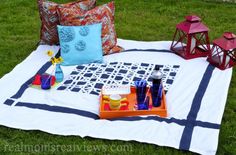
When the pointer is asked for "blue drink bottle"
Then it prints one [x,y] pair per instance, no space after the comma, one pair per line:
[59,73]
[156,89]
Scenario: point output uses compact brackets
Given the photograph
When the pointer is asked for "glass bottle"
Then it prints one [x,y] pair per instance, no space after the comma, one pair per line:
[59,73]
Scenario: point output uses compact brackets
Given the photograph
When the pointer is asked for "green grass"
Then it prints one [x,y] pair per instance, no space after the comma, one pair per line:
[135,19]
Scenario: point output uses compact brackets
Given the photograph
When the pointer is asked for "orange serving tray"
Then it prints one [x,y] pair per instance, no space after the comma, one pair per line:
[131,111]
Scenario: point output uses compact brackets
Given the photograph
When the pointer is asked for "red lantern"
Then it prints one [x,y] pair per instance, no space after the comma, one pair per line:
[191,38]
[223,52]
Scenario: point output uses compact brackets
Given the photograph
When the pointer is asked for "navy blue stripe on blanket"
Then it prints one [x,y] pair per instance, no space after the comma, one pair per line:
[182,122]
[58,109]
[96,117]
[147,50]
[9,102]
[22,89]
[196,104]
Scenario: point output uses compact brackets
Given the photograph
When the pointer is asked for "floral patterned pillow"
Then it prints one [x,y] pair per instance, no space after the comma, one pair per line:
[102,14]
[50,20]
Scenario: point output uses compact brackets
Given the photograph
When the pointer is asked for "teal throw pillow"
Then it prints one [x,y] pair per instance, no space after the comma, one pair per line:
[80,44]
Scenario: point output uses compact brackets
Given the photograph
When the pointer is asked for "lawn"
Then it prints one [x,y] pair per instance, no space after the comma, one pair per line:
[135,19]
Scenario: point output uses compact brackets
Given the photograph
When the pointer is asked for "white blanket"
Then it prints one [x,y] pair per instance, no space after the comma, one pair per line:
[196,98]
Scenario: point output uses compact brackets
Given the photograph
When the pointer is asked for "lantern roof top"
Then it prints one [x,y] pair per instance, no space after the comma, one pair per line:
[193,18]
[229,35]
[192,24]
[227,42]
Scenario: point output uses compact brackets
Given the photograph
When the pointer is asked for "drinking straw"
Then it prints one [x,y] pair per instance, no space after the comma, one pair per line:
[141,83]
[146,94]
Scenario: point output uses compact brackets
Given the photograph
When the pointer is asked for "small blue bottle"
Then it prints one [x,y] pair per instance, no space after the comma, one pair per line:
[59,73]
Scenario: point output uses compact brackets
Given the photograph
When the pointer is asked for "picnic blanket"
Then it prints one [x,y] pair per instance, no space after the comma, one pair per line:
[196,94]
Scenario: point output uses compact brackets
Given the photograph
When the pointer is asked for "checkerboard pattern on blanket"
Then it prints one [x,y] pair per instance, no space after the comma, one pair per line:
[90,78]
